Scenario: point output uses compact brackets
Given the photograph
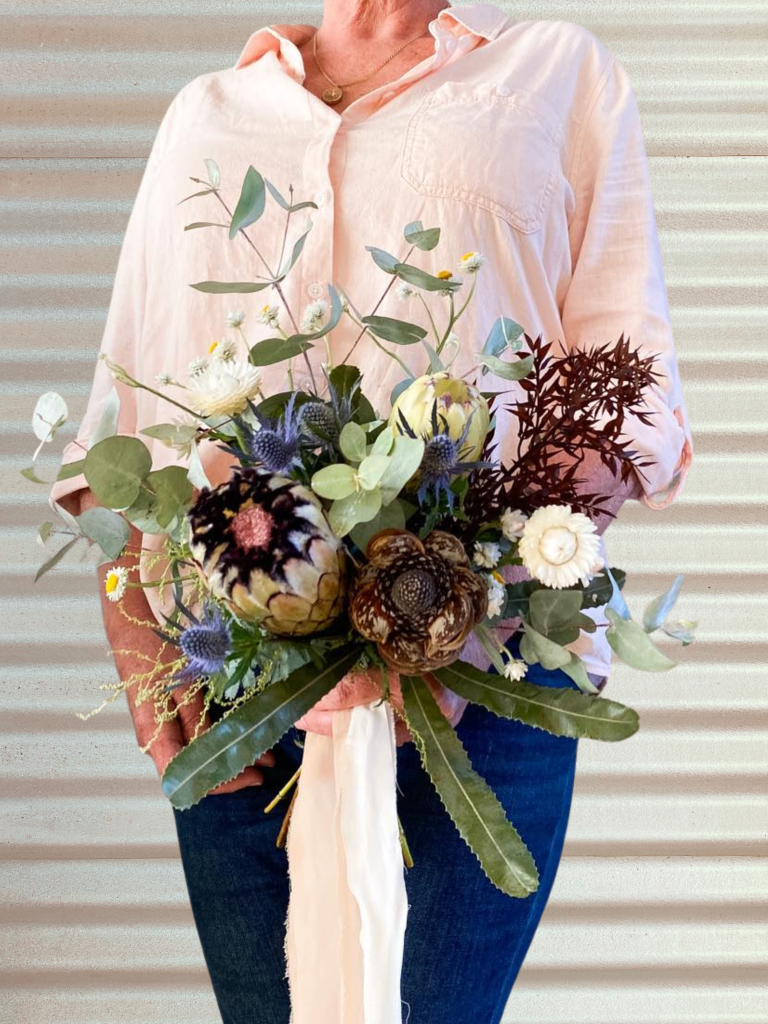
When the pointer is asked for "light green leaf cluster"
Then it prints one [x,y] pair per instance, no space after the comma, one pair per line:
[371,479]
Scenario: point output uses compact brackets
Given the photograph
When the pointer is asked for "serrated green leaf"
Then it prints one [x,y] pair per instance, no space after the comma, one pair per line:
[231,287]
[399,332]
[275,350]
[360,507]
[558,710]
[430,283]
[251,203]
[469,800]
[508,371]
[335,481]
[106,528]
[238,739]
[115,469]
[657,611]
[353,442]
[416,234]
[633,645]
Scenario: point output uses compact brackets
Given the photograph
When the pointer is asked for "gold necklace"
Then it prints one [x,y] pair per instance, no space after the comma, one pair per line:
[335,93]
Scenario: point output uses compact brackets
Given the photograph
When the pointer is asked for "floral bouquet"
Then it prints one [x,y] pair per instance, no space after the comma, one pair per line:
[356,539]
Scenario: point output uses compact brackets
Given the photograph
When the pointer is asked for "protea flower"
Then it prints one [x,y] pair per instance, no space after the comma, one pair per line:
[418,600]
[264,547]
[459,409]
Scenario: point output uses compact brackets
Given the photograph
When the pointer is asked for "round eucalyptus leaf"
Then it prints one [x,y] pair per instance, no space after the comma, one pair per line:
[115,469]
[50,412]
[335,482]
[353,442]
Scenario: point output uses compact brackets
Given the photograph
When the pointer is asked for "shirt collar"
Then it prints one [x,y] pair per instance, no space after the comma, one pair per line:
[481,19]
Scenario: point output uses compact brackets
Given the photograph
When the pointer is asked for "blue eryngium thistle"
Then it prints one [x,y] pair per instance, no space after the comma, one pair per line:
[205,643]
[276,445]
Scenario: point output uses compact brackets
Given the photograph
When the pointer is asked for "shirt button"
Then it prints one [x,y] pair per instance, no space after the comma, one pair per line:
[322,197]
[315,289]
[502,89]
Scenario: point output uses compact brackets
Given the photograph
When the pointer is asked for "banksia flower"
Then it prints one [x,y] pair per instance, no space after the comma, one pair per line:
[417,600]
[265,547]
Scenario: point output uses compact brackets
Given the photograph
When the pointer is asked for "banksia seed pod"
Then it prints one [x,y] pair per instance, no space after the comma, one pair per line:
[265,547]
[418,600]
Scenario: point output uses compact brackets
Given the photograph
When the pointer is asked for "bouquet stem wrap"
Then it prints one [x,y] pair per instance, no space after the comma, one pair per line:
[347,910]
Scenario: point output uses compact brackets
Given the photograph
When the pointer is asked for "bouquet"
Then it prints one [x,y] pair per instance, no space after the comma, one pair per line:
[352,538]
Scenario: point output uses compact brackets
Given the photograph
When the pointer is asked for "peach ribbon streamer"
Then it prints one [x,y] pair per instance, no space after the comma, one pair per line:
[347,910]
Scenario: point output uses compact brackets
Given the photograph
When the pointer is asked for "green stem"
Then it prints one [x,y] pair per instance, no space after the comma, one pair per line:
[381,299]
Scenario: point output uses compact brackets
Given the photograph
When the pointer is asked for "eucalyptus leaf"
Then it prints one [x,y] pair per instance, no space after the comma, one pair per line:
[399,332]
[617,602]
[237,740]
[115,469]
[335,481]
[383,443]
[633,645]
[107,425]
[657,611]
[430,283]
[195,472]
[404,462]
[508,371]
[371,470]
[467,797]
[295,252]
[44,532]
[547,652]
[681,630]
[383,259]
[389,517]
[275,350]
[214,174]
[251,203]
[504,334]
[172,490]
[558,710]
[49,414]
[106,528]
[353,443]
[422,238]
[360,507]
[173,435]
[71,469]
[55,559]
[399,388]
[435,362]
[552,610]
[576,670]
[231,287]
[30,473]
[204,224]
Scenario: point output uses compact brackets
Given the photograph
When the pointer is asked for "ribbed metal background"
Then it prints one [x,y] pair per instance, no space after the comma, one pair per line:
[658,912]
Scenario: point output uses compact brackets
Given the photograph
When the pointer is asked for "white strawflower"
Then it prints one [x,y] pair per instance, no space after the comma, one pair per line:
[269,315]
[560,547]
[314,314]
[163,379]
[197,366]
[225,349]
[471,262]
[515,670]
[403,291]
[497,594]
[115,582]
[513,523]
[235,318]
[223,388]
[487,554]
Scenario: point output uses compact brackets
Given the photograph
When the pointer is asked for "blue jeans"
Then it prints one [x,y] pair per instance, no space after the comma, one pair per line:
[465,940]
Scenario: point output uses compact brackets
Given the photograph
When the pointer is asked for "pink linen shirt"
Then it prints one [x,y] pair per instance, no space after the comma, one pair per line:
[521,140]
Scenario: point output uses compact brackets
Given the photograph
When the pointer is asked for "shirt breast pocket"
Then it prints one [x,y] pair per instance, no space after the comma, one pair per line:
[494,146]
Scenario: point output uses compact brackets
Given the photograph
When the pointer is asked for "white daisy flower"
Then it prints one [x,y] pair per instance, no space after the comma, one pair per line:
[497,594]
[314,314]
[115,582]
[487,554]
[471,262]
[515,670]
[513,523]
[235,318]
[225,349]
[560,547]
[403,291]
[197,366]
[163,379]
[269,314]
[223,388]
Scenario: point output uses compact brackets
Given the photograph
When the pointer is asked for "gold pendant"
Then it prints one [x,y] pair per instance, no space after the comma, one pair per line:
[332,95]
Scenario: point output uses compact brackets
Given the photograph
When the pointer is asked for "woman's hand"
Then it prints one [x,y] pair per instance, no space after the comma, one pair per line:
[358,688]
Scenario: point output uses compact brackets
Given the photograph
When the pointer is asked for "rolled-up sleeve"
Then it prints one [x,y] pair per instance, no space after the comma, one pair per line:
[617,285]
[121,338]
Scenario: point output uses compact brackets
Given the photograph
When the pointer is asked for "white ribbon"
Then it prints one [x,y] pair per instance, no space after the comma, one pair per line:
[347,908]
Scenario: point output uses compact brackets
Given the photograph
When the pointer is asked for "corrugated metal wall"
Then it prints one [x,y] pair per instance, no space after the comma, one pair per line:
[658,913]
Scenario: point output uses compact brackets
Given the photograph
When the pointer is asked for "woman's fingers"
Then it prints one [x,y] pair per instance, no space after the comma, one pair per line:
[167,744]
[247,777]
